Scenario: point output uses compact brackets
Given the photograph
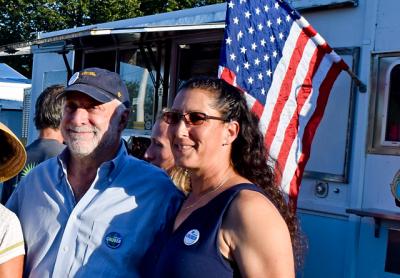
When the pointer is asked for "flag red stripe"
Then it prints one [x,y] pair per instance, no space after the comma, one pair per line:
[228,76]
[326,47]
[292,129]
[310,129]
[257,108]
[285,87]
[310,31]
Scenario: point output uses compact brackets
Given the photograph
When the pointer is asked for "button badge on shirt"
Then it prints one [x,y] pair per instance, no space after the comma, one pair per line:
[113,240]
[191,237]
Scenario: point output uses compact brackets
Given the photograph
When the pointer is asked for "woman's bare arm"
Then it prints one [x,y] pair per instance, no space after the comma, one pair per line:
[256,237]
[12,268]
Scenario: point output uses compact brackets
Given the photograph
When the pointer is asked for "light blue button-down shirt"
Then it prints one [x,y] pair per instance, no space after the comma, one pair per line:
[106,233]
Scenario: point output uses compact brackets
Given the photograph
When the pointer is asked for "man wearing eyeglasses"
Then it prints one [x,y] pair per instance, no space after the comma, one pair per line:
[94,210]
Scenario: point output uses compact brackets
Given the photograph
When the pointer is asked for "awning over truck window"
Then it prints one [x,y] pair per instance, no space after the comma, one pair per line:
[102,37]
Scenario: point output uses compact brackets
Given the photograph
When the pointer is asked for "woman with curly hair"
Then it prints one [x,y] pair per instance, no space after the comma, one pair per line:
[235,222]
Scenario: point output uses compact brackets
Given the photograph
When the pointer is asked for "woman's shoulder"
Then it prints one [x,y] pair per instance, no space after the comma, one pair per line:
[252,199]
[252,207]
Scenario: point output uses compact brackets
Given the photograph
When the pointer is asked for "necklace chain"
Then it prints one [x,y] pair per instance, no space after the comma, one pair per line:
[207,193]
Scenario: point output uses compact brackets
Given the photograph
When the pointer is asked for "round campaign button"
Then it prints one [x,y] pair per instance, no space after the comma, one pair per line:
[191,237]
[113,240]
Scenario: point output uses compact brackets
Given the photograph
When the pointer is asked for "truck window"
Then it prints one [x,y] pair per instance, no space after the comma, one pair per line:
[392,131]
[100,59]
[384,132]
[133,71]
[194,55]
[198,59]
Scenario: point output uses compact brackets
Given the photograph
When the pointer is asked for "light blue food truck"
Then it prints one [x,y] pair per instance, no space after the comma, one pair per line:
[347,201]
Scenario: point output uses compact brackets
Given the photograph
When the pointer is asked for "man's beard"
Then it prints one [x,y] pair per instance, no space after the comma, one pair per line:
[87,147]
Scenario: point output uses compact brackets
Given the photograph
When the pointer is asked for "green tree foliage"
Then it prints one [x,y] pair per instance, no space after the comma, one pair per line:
[21,20]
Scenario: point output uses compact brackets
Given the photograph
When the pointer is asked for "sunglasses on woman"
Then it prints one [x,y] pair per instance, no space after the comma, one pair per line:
[190,118]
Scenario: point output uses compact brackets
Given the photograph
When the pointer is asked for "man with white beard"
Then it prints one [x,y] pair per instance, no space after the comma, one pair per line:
[93,211]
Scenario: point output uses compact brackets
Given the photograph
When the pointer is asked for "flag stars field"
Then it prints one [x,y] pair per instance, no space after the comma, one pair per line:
[263,42]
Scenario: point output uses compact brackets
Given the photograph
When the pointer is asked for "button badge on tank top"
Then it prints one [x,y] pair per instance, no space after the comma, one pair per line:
[191,237]
[113,240]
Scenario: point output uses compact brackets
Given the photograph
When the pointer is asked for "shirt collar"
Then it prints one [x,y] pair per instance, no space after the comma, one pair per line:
[109,168]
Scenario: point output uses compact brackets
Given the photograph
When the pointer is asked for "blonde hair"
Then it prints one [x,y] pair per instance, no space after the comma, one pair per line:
[181,179]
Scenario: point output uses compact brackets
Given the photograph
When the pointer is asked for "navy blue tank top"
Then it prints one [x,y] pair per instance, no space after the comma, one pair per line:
[192,250]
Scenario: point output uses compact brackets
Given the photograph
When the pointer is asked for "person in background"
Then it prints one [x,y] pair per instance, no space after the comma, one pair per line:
[159,153]
[48,113]
[235,221]
[93,211]
[137,146]
[12,159]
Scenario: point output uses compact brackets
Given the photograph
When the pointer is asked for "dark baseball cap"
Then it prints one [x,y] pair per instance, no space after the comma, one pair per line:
[101,84]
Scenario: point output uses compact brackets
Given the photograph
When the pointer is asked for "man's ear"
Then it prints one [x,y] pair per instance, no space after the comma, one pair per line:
[123,122]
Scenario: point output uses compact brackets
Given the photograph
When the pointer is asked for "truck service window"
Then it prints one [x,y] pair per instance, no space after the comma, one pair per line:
[392,131]
[384,133]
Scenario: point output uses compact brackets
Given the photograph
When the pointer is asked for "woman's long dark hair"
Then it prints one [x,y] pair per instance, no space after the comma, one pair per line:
[249,155]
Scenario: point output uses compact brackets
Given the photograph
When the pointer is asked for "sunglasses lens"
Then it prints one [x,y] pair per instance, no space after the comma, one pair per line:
[192,118]
[196,118]
[171,117]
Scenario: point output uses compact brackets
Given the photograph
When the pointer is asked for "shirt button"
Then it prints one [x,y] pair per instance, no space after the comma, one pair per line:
[110,180]
[65,248]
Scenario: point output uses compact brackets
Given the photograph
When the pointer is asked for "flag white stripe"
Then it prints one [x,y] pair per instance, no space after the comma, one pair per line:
[250,100]
[291,104]
[302,22]
[318,39]
[335,57]
[278,77]
[305,115]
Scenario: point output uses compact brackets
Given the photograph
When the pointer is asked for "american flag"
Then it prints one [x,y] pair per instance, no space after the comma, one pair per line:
[286,70]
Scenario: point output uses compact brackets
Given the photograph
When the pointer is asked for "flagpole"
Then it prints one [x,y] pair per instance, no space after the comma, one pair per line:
[361,86]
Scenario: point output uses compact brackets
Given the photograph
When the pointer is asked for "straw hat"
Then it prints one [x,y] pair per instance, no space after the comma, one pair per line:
[12,154]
